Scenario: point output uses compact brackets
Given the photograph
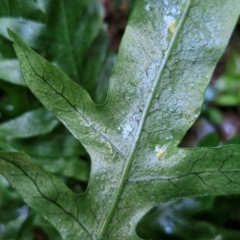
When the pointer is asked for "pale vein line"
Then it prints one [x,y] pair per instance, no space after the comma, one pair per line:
[130,158]
[76,110]
[151,179]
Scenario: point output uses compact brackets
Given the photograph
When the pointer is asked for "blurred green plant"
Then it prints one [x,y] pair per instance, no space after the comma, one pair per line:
[227,87]
[224,94]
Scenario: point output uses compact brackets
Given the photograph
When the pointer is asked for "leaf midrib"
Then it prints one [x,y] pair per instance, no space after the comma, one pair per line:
[130,157]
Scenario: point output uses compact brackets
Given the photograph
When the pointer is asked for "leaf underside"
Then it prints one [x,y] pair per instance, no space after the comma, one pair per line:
[165,61]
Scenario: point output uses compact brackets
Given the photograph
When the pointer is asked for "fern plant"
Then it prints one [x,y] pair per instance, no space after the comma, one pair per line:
[165,61]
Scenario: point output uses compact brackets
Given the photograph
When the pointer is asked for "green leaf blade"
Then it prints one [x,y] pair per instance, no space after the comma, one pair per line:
[166,58]
[45,193]
[36,122]
[67,31]
[10,72]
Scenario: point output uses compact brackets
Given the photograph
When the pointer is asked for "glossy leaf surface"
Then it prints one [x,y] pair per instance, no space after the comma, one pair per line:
[166,58]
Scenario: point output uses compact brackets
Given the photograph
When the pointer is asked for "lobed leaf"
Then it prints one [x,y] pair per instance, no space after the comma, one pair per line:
[166,58]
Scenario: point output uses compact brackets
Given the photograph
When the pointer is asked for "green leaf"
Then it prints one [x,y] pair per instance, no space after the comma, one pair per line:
[58,152]
[89,77]
[227,100]
[64,33]
[32,224]
[32,123]
[10,72]
[165,61]
[15,100]
[102,81]
[10,202]
[214,115]
[210,140]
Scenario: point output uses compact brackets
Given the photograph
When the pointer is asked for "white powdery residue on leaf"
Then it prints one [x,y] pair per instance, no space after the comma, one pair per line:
[127,131]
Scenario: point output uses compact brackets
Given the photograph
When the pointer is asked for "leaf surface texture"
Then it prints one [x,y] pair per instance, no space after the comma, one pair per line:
[165,61]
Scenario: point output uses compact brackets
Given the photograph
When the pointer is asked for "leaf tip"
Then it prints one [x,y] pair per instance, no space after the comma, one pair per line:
[16,39]
[11,34]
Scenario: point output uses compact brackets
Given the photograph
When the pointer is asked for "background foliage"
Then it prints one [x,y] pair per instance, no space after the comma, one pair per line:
[53,148]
